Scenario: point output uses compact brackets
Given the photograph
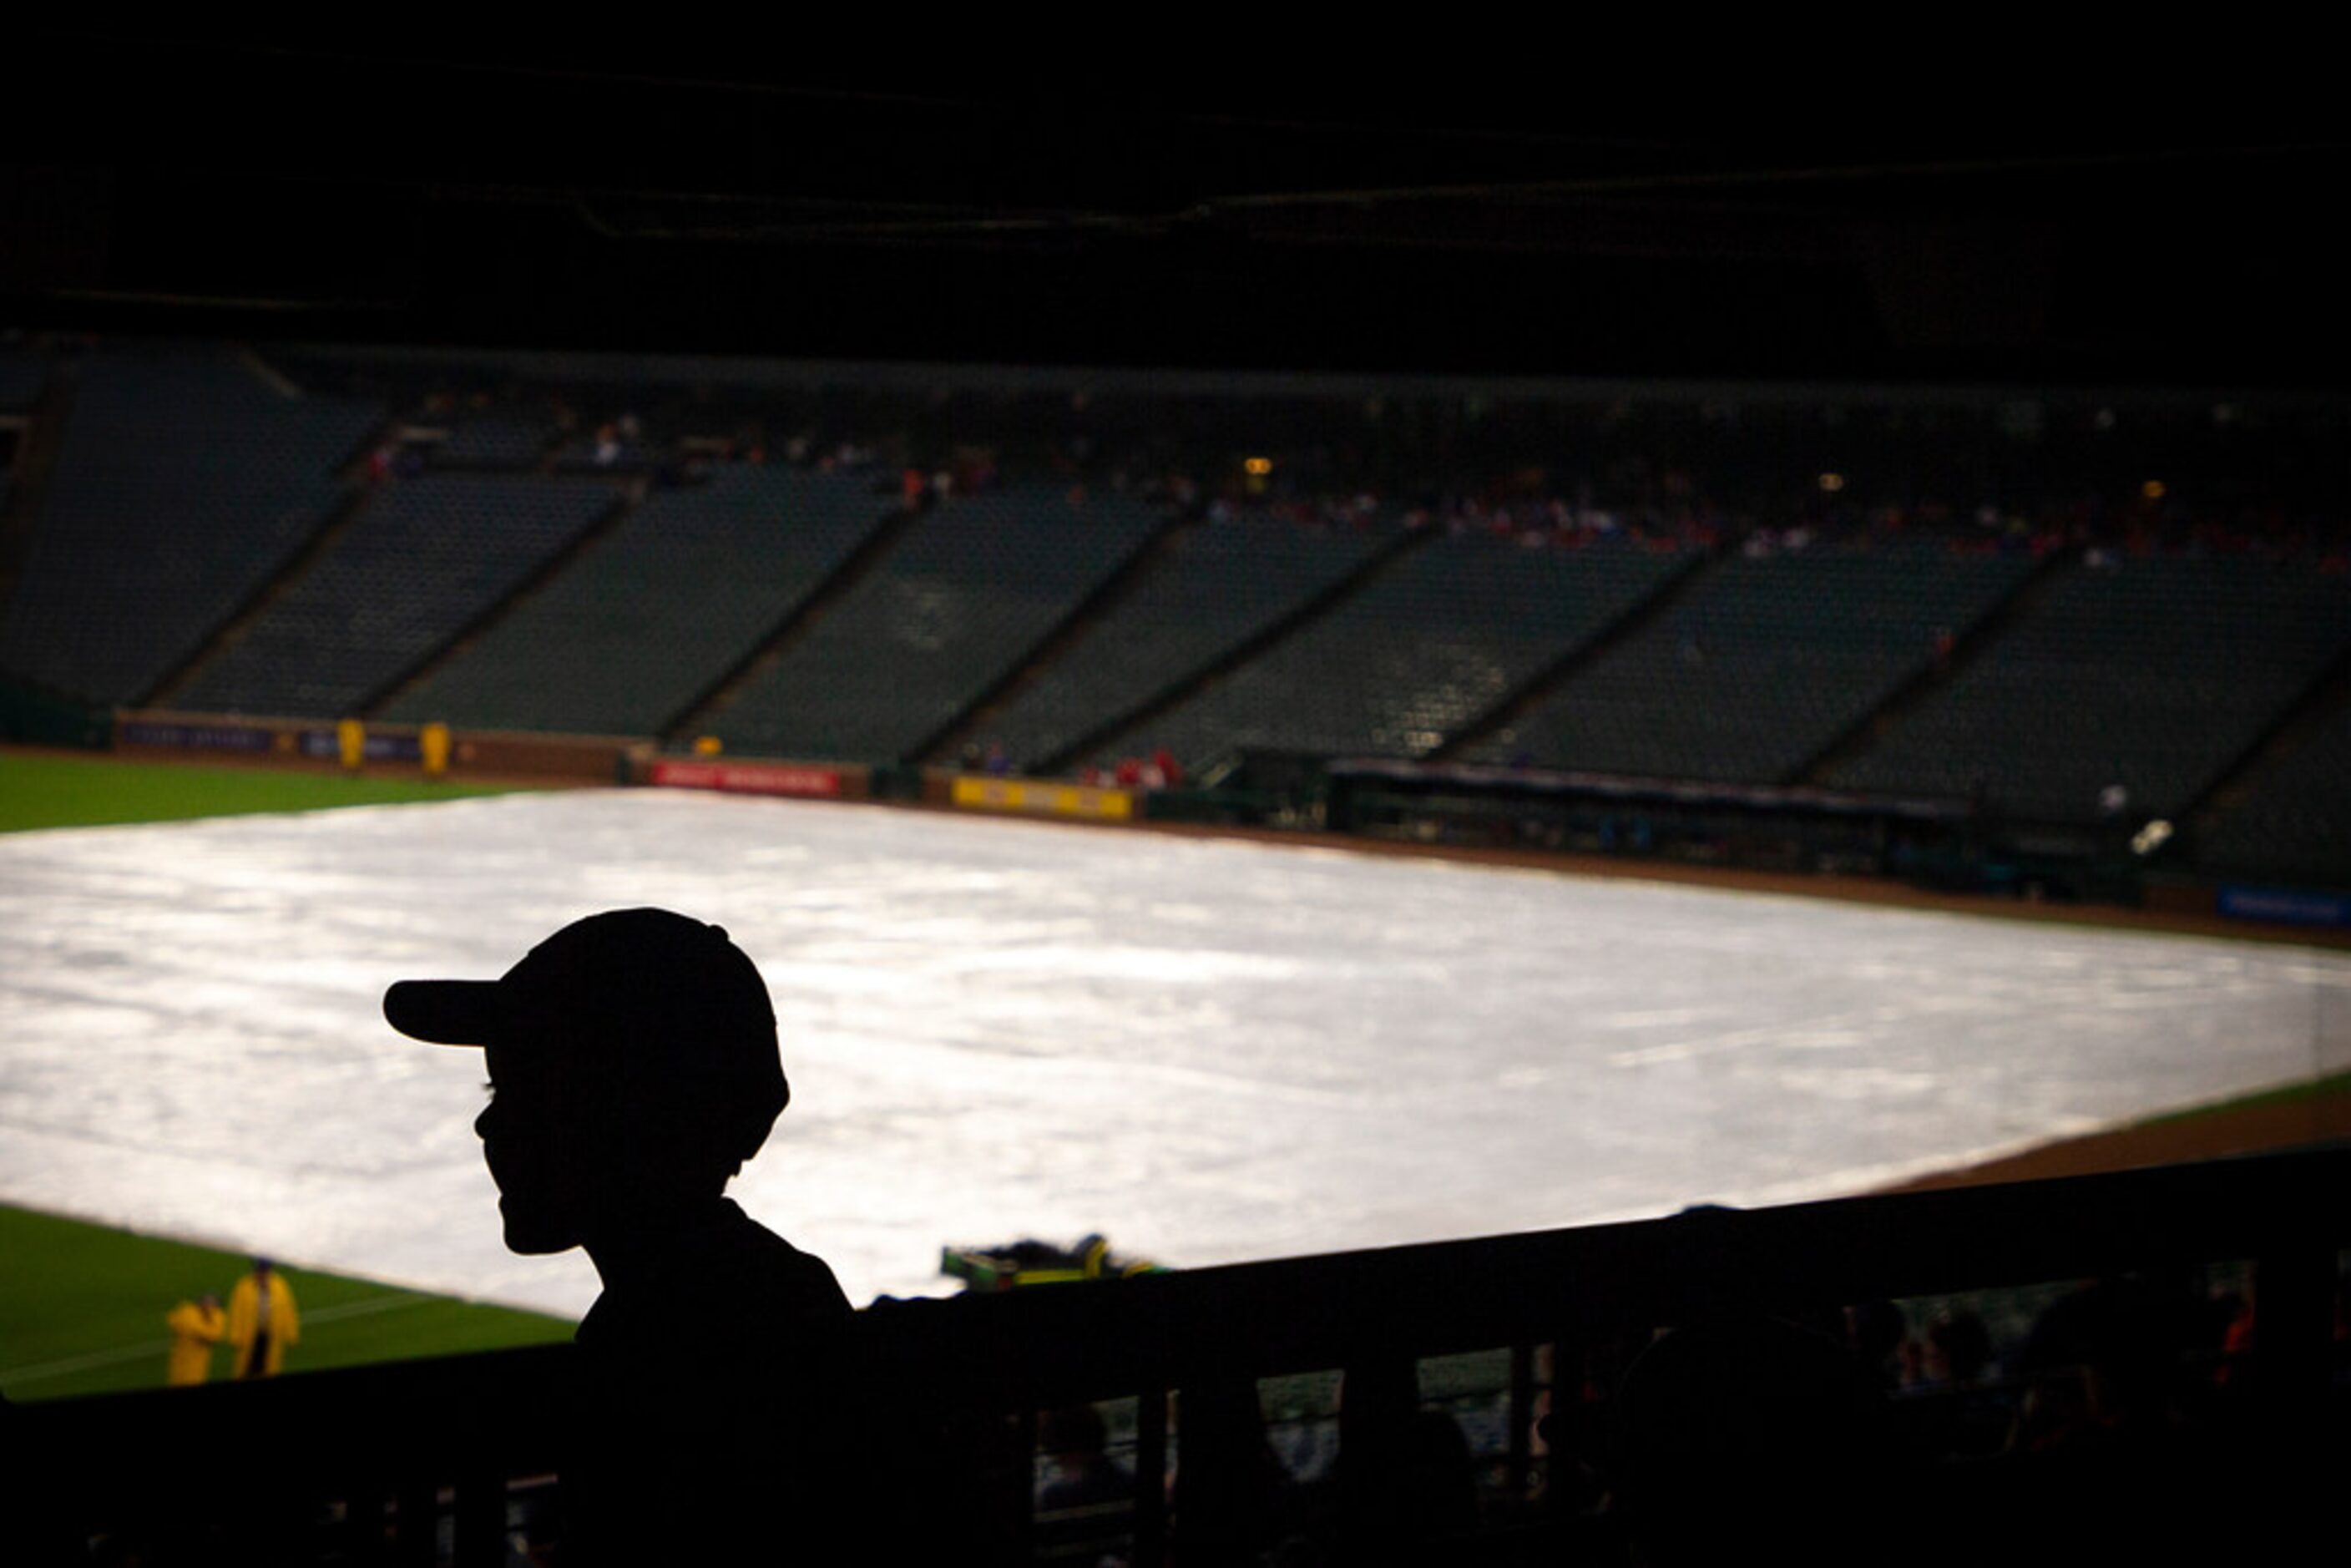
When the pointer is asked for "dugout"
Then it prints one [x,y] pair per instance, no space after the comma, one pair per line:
[1759,827]
[35,715]
[1253,786]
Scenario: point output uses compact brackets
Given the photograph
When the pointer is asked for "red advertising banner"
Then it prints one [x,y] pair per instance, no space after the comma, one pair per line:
[749,779]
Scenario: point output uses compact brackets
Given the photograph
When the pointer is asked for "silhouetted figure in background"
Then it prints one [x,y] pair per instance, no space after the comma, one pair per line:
[1749,1438]
[634,1067]
[1232,1495]
[1083,1473]
[1405,1475]
[262,1321]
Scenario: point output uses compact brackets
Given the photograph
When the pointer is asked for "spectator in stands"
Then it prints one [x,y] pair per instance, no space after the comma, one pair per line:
[1955,1415]
[1405,1472]
[2105,1362]
[262,1321]
[1958,1348]
[1745,1437]
[1083,1473]
[1233,1497]
[632,1066]
[1874,1333]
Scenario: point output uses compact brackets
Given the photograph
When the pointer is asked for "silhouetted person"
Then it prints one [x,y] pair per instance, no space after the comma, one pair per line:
[1747,1438]
[1083,1473]
[1405,1474]
[1232,1494]
[633,1068]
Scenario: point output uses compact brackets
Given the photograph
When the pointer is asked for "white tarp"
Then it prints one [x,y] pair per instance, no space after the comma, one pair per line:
[1211,1050]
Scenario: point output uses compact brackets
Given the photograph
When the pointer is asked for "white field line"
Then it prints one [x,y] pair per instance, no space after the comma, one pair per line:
[10,1376]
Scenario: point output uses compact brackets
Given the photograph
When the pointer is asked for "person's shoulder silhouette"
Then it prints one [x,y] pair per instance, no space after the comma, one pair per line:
[633,1068]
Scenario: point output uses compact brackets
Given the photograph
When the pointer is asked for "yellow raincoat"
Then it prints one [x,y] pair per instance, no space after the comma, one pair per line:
[195,1328]
[245,1327]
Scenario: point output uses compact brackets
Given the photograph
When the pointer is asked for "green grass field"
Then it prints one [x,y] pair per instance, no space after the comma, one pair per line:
[83,1312]
[83,1308]
[2329,1086]
[43,789]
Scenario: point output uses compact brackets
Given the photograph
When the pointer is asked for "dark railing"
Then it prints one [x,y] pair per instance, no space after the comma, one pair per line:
[444,1461]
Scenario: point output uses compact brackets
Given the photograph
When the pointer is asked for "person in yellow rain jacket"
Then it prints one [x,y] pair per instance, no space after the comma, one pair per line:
[262,1321]
[196,1326]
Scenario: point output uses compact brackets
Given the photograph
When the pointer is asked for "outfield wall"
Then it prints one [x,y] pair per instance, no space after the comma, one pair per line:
[2175,902]
[1031,796]
[319,744]
[791,780]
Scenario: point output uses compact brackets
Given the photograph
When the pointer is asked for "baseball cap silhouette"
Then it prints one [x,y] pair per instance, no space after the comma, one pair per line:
[644,1003]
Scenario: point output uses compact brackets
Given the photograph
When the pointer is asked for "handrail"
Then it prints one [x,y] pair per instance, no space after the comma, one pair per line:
[401,1432]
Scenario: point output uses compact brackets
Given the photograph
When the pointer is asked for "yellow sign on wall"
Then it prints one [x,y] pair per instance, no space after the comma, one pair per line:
[1044,799]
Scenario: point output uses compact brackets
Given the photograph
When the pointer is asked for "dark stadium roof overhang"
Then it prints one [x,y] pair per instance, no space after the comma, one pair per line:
[589,194]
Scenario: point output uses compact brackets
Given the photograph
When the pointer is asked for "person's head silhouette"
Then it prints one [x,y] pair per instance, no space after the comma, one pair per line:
[633,1069]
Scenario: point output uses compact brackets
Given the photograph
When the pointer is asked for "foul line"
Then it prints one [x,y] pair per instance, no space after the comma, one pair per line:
[364,1307]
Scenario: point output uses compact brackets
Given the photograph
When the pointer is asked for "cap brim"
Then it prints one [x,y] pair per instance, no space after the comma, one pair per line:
[445,1012]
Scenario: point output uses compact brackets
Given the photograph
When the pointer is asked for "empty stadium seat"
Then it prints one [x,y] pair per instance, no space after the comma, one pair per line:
[649,616]
[970,591]
[1761,663]
[184,483]
[419,563]
[1216,586]
[2153,673]
[1435,640]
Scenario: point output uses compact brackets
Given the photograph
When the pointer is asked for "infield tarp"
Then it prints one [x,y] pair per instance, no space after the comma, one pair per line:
[1209,1050]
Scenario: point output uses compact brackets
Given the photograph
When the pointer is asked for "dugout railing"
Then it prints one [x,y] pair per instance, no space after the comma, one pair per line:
[451,1461]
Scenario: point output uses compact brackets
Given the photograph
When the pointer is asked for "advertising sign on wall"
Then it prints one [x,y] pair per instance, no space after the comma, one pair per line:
[1049,800]
[750,779]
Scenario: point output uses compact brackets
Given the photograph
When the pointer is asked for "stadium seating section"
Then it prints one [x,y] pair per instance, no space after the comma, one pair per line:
[2292,825]
[500,438]
[420,562]
[183,486]
[1212,588]
[965,596]
[23,375]
[1442,634]
[2015,615]
[1762,664]
[652,614]
[2154,673]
